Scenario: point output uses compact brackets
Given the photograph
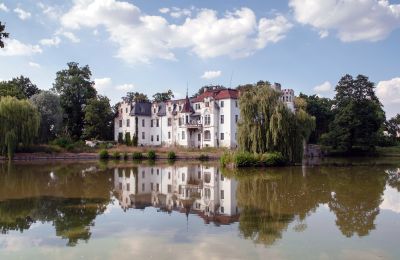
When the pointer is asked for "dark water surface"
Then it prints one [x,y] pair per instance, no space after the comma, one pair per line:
[92,210]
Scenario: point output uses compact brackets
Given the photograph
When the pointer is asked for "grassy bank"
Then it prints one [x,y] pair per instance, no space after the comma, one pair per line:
[246,159]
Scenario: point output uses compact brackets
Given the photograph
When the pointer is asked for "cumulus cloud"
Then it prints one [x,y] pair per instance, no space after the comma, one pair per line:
[141,37]
[388,93]
[50,11]
[34,65]
[324,87]
[211,74]
[14,47]
[55,41]
[102,83]
[71,36]
[3,7]
[125,87]
[352,20]
[164,10]
[22,14]
[180,12]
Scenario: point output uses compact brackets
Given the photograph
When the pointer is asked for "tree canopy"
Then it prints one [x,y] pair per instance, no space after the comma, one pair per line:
[98,119]
[136,97]
[19,124]
[20,87]
[163,96]
[3,34]
[75,87]
[392,126]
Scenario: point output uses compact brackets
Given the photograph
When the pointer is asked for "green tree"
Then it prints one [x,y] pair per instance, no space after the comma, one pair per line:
[75,87]
[7,88]
[3,34]
[136,97]
[392,126]
[321,109]
[20,122]
[98,119]
[20,87]
[51,114]
[359,116]
[163,96]
[203,88]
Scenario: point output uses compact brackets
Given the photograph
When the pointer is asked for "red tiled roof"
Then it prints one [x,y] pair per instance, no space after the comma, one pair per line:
[217,94]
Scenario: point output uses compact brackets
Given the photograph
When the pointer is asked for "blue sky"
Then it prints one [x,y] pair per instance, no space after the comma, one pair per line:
[151,46]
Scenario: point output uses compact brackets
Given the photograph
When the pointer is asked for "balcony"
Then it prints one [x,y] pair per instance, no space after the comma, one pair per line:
[193,124]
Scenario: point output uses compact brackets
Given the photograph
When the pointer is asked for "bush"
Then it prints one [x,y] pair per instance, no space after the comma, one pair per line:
[151,155]
[116,155]
[171,155]
[134,140]
[273,159]
[125,156]
[245,159]
[226,159]
[120,138]
[62,141]
[204,157]
[128,140]
[103,154]
[137,156]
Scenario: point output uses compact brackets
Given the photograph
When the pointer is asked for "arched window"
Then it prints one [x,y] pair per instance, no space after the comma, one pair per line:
[207,135]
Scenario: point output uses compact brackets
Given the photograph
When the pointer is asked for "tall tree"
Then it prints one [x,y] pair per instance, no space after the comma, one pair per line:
[20,87]
[3,34]
[163,96]
[98,119]
[358,115]
[51,114]
[75,87]
[19,124]
[136,97]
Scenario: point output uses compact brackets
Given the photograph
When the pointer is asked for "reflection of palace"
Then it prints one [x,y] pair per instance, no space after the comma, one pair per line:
[196,188]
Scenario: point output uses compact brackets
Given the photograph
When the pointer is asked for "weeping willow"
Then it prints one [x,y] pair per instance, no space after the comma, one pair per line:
[19,123]
[267,125]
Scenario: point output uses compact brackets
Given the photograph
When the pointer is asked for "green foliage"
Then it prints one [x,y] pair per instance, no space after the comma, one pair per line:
[359,116]
[392,126]
[20,122]
[171,155]
[151,155]
[267,125]
[116,155]
[120,138]
[75,89]
[163,96]
[128,140]
[136,97]
[246,159]
[49,107]
[135,141]
[203,157]
[137,156]
[103,154]
[98,119]
[125,156]
[3,34]
[20,87]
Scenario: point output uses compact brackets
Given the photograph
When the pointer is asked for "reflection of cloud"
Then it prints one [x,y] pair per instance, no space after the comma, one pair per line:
[391,200]
[16,243]
[364,254]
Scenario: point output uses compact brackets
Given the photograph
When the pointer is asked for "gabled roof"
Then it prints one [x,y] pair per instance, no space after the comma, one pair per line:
[187,107]
[217,94]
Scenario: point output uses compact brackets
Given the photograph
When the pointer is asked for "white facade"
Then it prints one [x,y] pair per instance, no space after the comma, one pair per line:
[209,120]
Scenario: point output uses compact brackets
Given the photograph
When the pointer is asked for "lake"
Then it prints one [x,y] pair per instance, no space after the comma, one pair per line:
[94,210]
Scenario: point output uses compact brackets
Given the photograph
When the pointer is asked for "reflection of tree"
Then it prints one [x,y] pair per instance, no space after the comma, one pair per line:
[68,196]
[355,200]
[394,178]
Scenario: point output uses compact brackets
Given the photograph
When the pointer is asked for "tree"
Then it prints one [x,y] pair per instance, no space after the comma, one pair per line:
[3,34]
[51,115]
[321,109]
[9,89]
[20,122]
[267,125]
[392,126]
[209,87]
[163,96]
[359,116]
[98,119]
[76,89]
[20,87]
[136,97]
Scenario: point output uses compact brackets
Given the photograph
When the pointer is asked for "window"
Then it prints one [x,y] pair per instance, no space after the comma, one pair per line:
[158,138]
[128,187]
[128,122]
[222,136]
[207,135]
[222,177]
[143,174]
[198,175]
[169,188]
[158,171]
[222,119]
[120,186]
[207,120]
[152,171]
[183,135]
[180,108]
[222,103]
[142,186]
[151,186]
[207,193]
[151,138]
[222,194]
[183,177]
[157,187]
[169,135]
[157,122]
[207,104]
[151,123]
[180,121]
[235,103]
[120,123]
[143,122]
[143,136]
[169,109]
[169,121]
[222,209]
[169,175]
[236,118]
[126,110]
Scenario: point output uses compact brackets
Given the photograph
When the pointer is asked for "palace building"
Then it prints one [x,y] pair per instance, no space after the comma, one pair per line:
[208,120]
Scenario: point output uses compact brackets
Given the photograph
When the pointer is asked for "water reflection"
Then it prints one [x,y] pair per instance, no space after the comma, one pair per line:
[265,203]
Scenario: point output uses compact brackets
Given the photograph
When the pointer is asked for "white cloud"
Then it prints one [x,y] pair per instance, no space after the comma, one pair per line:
[55,41]
[388,93]
[102,83]
[14,47]
[69,35]
[353,20]
[34,65]
[125,87]
[141,37]
[22,14]
[211,74]
[178,12]
[50,11]
[3,7]
[164,10]
[324,87]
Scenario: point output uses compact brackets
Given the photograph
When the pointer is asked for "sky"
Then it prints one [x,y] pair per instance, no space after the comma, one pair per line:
[152,46]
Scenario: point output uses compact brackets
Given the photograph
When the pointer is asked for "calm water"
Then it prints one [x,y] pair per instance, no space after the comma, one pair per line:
[129,211]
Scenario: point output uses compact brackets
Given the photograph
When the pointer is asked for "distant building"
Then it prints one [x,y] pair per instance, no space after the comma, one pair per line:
[209,120]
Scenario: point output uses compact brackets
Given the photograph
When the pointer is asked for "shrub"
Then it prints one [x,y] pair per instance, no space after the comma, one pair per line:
[62,141]
[151,155]
[171,155]
[120,138]
[245,159]
[116,155]
[128,140]
[103,154]
[125,156]
[273,159]
[137,156]
[204,157]
[226,159]
[135,140]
